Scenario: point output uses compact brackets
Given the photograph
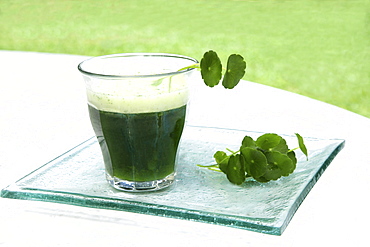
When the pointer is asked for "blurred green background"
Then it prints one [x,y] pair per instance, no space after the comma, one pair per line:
[317,48]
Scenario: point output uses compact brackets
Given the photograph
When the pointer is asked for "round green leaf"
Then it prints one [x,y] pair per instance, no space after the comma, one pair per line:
[301,144]
[255,162]
[292,156]
[235,71]
[268,141]
[282,147]
[222,160]
[280,161]
[211,68]
[272,173]
[235,170]
[248,142]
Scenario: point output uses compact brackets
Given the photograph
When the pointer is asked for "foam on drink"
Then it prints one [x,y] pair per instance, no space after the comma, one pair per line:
[140,97]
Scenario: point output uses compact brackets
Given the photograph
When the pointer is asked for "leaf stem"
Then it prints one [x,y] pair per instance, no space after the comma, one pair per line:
[193,66]
[214,169]
[291,150]
[232,152]
[215,165]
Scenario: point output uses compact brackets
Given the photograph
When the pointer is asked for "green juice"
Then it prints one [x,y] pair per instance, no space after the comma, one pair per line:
[139,147]
[137,104]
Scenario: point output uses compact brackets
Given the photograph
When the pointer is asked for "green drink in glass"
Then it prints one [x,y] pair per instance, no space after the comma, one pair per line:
[137,106]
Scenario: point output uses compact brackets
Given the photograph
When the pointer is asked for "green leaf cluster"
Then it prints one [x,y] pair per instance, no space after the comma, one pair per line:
[264,159]
[211,69]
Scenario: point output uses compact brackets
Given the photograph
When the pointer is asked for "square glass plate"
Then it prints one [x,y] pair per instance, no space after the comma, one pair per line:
[77,177]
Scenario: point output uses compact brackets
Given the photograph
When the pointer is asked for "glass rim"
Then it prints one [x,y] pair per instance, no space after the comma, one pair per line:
[90,73]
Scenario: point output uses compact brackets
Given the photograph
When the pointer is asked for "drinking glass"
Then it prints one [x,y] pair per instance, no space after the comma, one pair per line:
[137,105]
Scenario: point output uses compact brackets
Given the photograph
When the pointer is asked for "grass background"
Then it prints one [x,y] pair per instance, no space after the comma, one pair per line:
[318,48]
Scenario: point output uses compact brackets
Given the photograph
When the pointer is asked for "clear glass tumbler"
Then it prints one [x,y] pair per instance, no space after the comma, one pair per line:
[137,106]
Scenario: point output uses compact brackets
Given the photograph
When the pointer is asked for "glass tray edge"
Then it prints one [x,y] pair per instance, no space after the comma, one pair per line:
[17,192]
[311,184]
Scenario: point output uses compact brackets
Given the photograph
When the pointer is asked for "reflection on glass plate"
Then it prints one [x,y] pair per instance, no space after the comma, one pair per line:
[78,178]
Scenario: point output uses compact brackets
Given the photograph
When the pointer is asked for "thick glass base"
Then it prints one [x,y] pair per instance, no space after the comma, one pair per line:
[130,186]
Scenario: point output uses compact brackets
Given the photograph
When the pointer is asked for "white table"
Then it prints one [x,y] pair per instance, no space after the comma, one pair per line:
[43,114]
